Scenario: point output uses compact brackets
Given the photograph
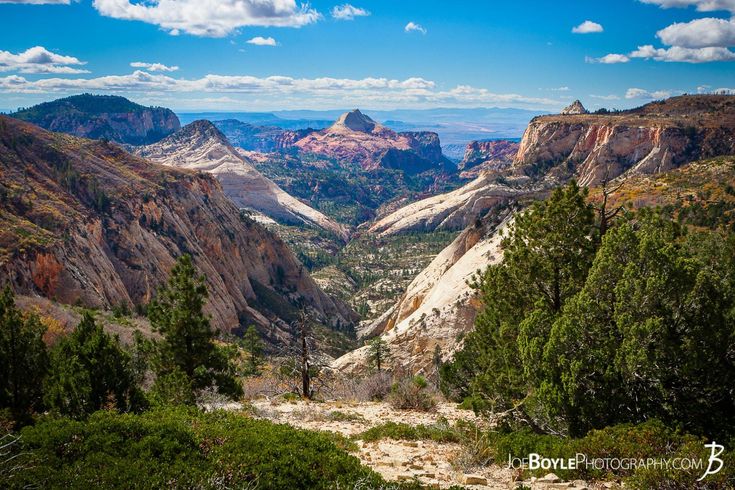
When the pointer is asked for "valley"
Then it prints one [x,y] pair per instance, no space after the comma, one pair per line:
[351,266]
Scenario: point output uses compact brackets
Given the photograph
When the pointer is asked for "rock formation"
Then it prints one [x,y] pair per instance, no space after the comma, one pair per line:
[575,107]
[481,156]
[103,117]
[84,222]
[201,146]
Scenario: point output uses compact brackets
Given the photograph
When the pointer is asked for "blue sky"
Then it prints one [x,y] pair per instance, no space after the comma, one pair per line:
[371,54]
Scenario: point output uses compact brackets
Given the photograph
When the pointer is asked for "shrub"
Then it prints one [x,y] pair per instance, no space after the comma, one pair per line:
[412,394]
[180,448]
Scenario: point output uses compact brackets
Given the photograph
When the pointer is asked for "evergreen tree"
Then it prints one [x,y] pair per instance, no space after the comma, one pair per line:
[378,353]
[188,339]
[90,371]
[23,359]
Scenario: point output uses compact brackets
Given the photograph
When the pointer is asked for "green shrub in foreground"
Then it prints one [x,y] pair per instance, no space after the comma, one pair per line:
[651,439]
[179,448]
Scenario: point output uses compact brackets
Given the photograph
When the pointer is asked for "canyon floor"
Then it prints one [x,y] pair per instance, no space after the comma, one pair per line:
[434,464]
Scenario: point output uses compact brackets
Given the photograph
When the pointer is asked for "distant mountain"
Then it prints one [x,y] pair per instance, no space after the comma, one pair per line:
[483,156]
[201,146]
[264,139]
[257,119]
[356,138]
[103,117]
[84,222]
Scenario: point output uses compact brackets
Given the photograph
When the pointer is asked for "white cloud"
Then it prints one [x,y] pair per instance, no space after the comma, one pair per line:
[212,18]
[701,5]
[280,90]
[724,91]
[348,12]
[560,89]
[699,33]
[412,26]
[587,27]
[39,60]
[605,97]
[153,66]
[263,41]
[639,93]
[609,59]
[685,55]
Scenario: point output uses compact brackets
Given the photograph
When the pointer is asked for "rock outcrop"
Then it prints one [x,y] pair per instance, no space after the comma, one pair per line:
[654,138]
[201,146]
[438,306]
[103,117]
[86,222]
[264,139]
[487,156]
[356,139]
[575,107]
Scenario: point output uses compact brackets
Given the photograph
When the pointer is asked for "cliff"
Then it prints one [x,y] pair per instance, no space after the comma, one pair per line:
[201,146]
[356,139]
[103,117]
[654,138]
[483,156]
[84,222]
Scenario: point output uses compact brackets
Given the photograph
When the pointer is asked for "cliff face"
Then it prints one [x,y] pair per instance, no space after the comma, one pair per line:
[201,146]
[439,304]
[85,222]
[482,156]
[356,139]
[654,138]
[249,137]
[103,117]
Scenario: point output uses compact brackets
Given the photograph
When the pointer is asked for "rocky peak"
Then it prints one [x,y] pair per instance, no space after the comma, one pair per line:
[575,107]
[356,121]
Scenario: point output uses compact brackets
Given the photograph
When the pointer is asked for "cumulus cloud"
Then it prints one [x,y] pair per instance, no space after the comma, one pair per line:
[724,91]
[701,5]
[609,59]
[39,60]
[699,33]
[587,27]
[412,26]
[263,41]
[413,91]
[639,93]
[348,12]
[153,66]
[605,97]
[211,18]
[686,55]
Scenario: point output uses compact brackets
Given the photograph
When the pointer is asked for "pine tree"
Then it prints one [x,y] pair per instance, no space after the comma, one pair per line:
[23,359]
[90,371]
[253,347]
[378,353]
[188,339]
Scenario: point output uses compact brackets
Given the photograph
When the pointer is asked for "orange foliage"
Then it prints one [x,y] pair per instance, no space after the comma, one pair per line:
[46,274]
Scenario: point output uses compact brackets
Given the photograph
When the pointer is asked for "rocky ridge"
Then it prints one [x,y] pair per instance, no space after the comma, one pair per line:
[201,146]
[84,222]
[103,117]
[481,156]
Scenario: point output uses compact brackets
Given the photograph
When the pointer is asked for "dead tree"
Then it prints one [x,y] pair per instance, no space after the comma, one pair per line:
[605,216]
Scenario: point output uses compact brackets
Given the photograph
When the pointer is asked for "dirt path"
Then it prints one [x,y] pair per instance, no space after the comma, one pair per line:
[437,465]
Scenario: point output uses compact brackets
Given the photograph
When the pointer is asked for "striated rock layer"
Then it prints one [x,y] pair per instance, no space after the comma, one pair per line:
[201,146]
[84,222]
[484,156]
[103,117]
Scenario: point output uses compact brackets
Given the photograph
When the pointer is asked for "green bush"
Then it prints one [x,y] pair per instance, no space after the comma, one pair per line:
[412,394]
[179,448]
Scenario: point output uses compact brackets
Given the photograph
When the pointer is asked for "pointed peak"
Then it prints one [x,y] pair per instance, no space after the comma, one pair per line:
[356,121]
[575,107]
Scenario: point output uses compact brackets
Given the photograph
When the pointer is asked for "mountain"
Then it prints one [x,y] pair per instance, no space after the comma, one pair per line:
[656,137]
[103,117]
[357,139]
[264,139]
[201,146]
[480,156]
[84,222]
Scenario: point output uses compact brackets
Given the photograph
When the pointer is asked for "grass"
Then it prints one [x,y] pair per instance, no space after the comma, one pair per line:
[440,432]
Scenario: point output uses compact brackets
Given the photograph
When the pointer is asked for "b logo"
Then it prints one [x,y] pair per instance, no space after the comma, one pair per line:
[716,450]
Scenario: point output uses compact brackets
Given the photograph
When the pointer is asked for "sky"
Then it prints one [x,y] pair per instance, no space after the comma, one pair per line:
[262,55]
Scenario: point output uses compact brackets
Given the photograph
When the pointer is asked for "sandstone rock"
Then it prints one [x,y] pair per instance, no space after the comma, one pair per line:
[575,107]
[549,478]
[201,146]
[470,479]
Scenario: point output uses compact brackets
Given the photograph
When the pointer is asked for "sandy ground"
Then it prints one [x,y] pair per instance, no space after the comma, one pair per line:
[437,465]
